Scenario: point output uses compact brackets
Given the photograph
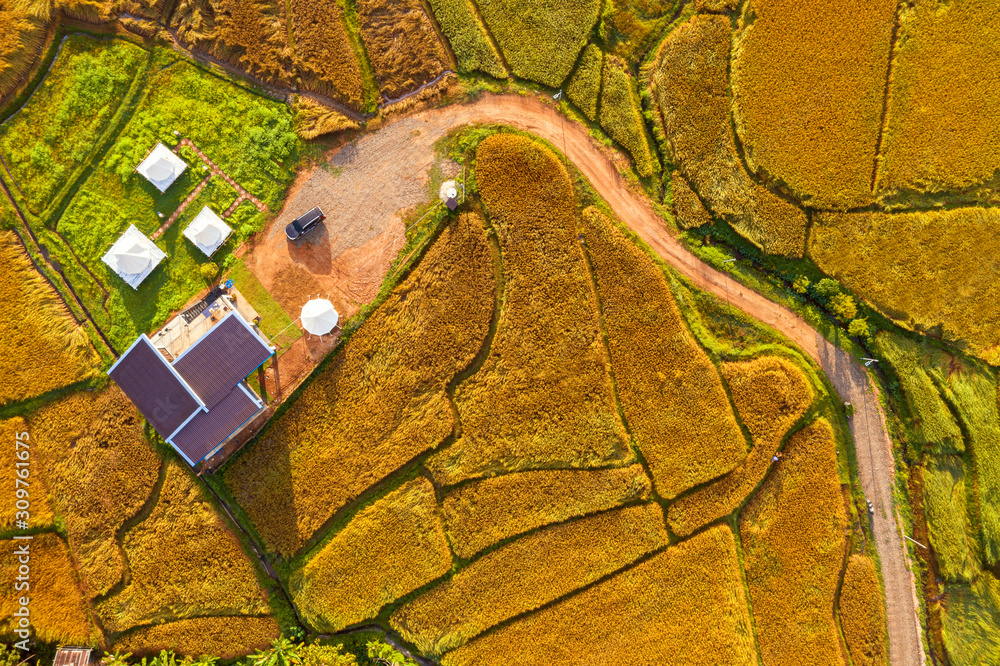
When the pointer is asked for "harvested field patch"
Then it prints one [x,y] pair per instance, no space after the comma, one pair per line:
[403,46]
[43,347]
[793,533]
[184,562]
[941,133]
[685,605]
[468,37]
[931,423]
[622,118]
[862,613]
[808,90]
[585,84]
[540,39]
[312,119]
[690,83]
[970,618]
[58,611]
[388,550]
[924,270]
[954,543]
[65,118]
[324,55]
[485,512]
[13,431]
[543,396]
[670,391]
[385,388]
[527,574]
[770,394]
[99,470]
[223,637]
[20,41]
[688,209]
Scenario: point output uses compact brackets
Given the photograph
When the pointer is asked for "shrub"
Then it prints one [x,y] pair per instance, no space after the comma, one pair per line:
[862,613]
[843,307]
[40,513]
[387,550]
[926,270]
[340,437]
[540,39]
[469,40]
[43,347]
[585,84]
[58,612]
[689,211]
[793,533]
[770,395]
[684,605]
[621,117]
[940,136]
[543,396]
[402,44]
[690,84]
[482,513]
[184,561]
[224,637]
[99,470]
[64,120]
[804,56]
[801,284]
[527,574]
[670,391]
[859,328]
[324,56]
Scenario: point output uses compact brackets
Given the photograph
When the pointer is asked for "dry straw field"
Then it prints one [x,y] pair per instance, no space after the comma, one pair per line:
[543,396]
[41,511]
[670,391]
[485,512]
[386,388]
[690,83]
[324,55]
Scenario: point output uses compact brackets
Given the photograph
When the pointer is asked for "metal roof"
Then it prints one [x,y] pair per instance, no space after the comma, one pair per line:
[207,430]
[72,656]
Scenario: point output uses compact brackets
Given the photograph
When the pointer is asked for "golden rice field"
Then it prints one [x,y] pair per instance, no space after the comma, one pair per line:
[226,637]
[20,42]
[543,396]
[941,133]
[585,84]
[401,42]
[386,551]
[324,56]
[540,39]
[621,116]
[685,605]
[184,561]
[794,535]
[689,82]
[99,470]
[947,254]
[40,512]
[485,512]
[970,619]
[670,391]
[527,574]
[689,211]
[862,612]
[468,37]
[770,394]
[309,464]
[57,609]
[951,535]
[808,85]
[43,347]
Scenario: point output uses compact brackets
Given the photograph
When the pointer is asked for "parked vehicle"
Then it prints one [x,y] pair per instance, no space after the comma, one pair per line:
[304,223]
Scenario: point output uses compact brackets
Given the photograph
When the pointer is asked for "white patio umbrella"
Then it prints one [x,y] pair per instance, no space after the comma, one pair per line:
[134,259]
[319,316]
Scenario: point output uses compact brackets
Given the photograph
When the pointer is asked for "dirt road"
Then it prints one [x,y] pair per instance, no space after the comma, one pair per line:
[874,452]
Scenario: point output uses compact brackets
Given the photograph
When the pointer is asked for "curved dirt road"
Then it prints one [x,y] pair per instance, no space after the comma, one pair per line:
[874,449]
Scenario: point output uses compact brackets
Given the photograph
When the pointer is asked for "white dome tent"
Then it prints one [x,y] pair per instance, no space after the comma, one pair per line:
[207,231]
[319,317]
[133,257]
[161,167]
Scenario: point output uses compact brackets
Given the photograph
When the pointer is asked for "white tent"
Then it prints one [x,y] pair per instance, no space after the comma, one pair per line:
[133,257]
[207,231]
[319,316]
[161,167]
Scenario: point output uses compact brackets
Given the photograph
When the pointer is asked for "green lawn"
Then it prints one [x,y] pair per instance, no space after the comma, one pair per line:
[274,319]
